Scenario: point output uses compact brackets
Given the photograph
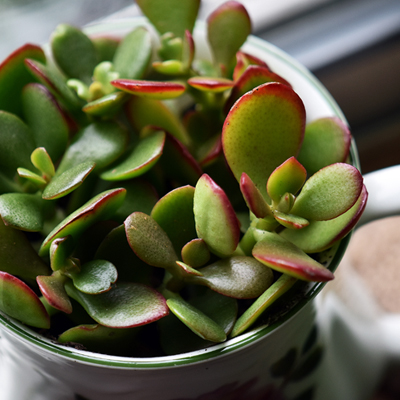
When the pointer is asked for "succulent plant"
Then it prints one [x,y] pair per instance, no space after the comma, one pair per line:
[140,184]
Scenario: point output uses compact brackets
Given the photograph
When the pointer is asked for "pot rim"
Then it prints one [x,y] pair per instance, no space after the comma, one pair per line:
[30,337]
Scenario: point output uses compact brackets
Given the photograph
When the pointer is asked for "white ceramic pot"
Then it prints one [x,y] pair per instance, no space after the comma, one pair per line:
[276,361]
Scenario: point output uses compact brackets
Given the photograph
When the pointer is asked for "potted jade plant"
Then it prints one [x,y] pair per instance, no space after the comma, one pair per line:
[171,200]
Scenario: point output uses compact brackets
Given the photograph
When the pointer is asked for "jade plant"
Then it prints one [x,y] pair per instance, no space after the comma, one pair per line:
[153,202]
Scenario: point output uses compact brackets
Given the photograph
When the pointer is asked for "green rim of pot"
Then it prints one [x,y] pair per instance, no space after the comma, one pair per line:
[25,334]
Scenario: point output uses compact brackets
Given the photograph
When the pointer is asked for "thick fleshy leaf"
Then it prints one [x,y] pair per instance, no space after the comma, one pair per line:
[143,112]
[16,142]
[195,253]
[197,321]
[174,16]
[133,55]
[187,270]
[250,316]
[283,256]
[100,339]
[240,277]
[227,29]
[14,76]
[149,241]
[169,67]
[106,106]
[264,129]
[150,89]
[42,161]
[178,163]
[111,140]
[188,49]
[115,248]
[216,221]
[106,47]
[52,288]
[46,119]
[124,306]
[74,52]
[19,301]
[174,213]
[253,197]
[243,60]
[101,207]
[139,160]
[320,235]
[253,76]
[18,257]
[329,192]
[30,176]
[289,177]
[56,83]
[210,84]
[22,211]
[326,141]
[291,221]
[68,181]
[60,250]
[95,277]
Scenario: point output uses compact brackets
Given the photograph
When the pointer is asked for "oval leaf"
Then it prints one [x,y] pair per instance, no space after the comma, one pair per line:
[101,207]
[253,197]
[149,241]
[52,288]
[210,84]
[20,302]
[106,106]
[216,221]
[262,130]
[138,161]
[195,253]
[124,306]
[240,277]
[95,277]
[283,256]
[329,192]
[22,211]
[326,141]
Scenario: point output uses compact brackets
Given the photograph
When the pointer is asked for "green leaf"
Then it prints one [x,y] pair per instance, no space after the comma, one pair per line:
[46,119]
[18,257]
[60,250]
[105,47]
[149,241]
[124,306]
[139,160]
[195,253]
[41,160]
[197,321]
[52,288]
[240,277]
[227,29]
[68,181]
[283,256]
[174,214]
[274,292]
[253,197]
[174,16]
[14,76]
[100,339]
[329,192]
[32,177]
[326,141]
[16,142]
[22,211]
[133,55]
[20,302]
[289,177]
[111,140]
[100,207]
[291,221]
[143,112]
[216,221]
[95,277]
[320,235]
[74,52]
[106,106]
[264,129]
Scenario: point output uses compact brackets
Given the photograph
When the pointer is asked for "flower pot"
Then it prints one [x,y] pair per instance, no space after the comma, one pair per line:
[278,359]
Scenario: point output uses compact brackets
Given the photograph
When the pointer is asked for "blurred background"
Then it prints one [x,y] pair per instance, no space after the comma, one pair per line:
[352,46]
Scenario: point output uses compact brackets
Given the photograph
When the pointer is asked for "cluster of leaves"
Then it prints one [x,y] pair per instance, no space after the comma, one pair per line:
[124,176]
